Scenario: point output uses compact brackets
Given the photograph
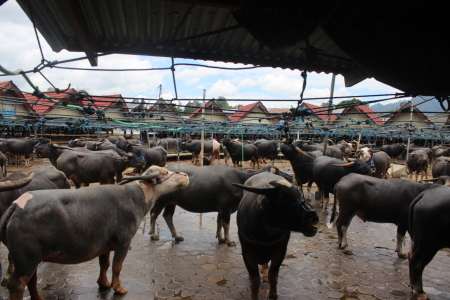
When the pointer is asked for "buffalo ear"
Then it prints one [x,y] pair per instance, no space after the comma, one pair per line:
[266,190]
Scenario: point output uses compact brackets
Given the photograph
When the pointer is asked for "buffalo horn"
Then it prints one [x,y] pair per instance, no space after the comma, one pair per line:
[149,176]
[302,152]
[17,184]
[350,164]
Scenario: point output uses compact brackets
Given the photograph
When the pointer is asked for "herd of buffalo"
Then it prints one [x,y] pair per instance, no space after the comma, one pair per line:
[269,209]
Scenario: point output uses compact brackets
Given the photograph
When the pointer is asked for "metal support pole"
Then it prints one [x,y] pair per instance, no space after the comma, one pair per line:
[410,121]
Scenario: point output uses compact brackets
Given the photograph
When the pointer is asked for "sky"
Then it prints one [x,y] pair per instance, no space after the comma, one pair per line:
[19,49]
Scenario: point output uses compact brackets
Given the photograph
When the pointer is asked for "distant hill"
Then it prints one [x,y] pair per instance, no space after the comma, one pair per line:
[429,108]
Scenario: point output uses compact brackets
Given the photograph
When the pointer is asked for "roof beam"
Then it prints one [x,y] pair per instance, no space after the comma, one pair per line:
[74,16]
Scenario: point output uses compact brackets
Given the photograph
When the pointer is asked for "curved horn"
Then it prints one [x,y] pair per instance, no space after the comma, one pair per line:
[345,165]
[17,184]
[152,175]
[302,152]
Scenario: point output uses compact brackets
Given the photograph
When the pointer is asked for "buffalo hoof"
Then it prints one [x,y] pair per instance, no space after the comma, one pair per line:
[4,281]
[179,238]
[403,255]
[325,212]
[154,238]
[348,252]
[231,244]
[120,290]
[222,241]
[420,296]
[104,284]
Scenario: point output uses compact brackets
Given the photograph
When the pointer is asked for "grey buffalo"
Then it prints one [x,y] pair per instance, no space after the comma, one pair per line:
[429,230]
[267,149]
[73,226]
[152,156]
[3,160]
[21,147]
[440,167]
[374,200]
[393,150]
[270,209]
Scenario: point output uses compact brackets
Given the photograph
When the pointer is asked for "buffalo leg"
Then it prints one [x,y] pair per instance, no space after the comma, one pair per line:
[32,288]
[419,257]
[308,191]
[154,213]
[342,224]
[9,271]
[325,200]
[119,257]
[253,273]
[225,219]
[274,269]
[169,211]
[219,235]
[104,265]
[401,231]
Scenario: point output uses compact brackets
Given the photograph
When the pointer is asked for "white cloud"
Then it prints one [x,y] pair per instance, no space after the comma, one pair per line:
[222,88]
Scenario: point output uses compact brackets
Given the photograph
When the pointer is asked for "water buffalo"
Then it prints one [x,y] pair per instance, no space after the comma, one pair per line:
[267,149]
[81,142]
[429,230]
[210,190]
[417,162]
[302,164]
[393,150]
[440,167]
[153,156]
[211,148]
[21,147]
[346,149]
[239,152]
[270,209]
[381,161]
[91,167]
[428,151]
[332,151]
[3,160]
[374,200]
[327,171]
[73,226]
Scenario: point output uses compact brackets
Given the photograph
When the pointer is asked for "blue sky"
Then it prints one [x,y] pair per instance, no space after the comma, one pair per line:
[19,50]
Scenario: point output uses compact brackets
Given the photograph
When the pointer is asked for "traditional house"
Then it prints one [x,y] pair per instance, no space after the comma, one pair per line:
[114,106]
[253,113]
[162,111]
[50,110]
[403,117]
[12,101]
[360,115]
[211,112]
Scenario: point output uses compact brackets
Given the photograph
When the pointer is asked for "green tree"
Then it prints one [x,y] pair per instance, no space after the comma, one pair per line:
[222,102]
[191,106]
[346,103]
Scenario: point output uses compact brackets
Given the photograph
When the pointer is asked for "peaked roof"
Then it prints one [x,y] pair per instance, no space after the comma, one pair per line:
[319,111]
[10,86]
[407,107]
[106,102]
[44,106]
[367,111]
[167,107]
[244,111]
[209,104]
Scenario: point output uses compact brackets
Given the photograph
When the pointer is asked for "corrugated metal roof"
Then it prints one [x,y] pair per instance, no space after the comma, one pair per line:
[399,43]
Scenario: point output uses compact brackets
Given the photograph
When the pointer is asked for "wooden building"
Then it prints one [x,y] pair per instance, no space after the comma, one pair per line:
[403,117]
[211,112]
[359,115]
[12,101]
[253,113]
[162,112]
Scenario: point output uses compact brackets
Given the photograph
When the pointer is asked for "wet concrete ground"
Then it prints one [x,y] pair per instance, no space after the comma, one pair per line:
[200,268]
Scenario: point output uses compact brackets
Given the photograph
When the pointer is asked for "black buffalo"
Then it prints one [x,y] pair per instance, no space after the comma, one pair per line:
[332,151]
[270,209]
[302,163]
[3,160]
[239,152]
[374,200]
[327,171]
[153,156]
[417,162]
[429,230]
[267,149]
[440,167]
[73,226]
[394,150]
[21,147]
[210,190]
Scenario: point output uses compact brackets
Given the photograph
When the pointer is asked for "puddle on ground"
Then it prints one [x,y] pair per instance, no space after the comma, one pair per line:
[222,282]
[167,245]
